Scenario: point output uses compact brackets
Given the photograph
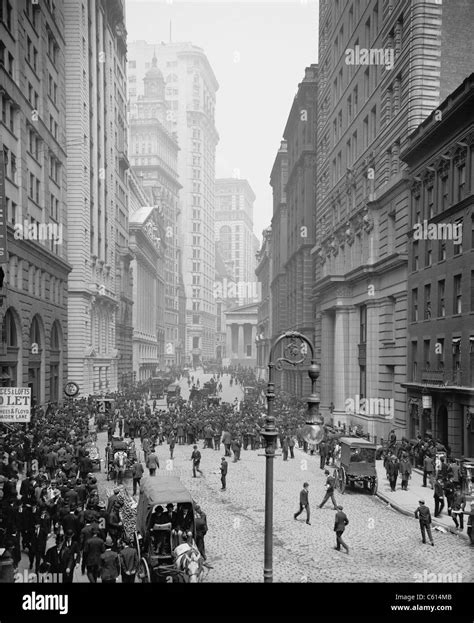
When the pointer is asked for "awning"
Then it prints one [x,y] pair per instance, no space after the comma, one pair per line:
[456,340]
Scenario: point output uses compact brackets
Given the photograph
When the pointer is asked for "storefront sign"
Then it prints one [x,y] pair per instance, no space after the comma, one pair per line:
[427,402]
[15,404]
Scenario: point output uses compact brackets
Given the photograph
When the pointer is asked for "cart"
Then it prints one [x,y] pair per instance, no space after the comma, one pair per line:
[355,464]
[467,477]
[121,459]
[166,531]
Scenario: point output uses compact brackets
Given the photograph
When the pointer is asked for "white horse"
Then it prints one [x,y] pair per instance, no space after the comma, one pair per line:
[189,561]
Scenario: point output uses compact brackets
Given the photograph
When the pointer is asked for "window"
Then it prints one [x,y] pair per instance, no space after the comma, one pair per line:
[349,109]
[195,342]
[427,313]
[362,381]
[365,135]
[440,353]
[414,361]
[416,253]
[414,305]
[430,201]
[441,250]
[472,290]
[196,319]
[457,295]
[428,253]
[444,192]
[461,171]
[366,83]
[363,324]
[373,123]
[441,301]
[426,354]
[458,234]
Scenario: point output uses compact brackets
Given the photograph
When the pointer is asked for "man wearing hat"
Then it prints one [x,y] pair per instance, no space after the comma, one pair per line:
[70,556]
[93,549]
[329,490]
[340,524]
[304,503]
[128,562]
[109,563]
[112,499]
[423,514]
[201,529]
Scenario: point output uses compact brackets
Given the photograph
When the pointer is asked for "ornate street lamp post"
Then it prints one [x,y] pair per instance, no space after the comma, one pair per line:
[294,354]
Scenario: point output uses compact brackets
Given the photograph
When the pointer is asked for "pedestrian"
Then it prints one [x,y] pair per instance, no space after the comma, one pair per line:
[392,472]
[470,525]
[323,452]
[405,471]
[304,503]
[217,440]
[37,548]
[93,548]
[438,497]
[137,473]
[152,462]
[285,448]
[449,490]
[224,468]
[201,529]
[428,470]
[330,482]
[423,514]
[291,445]
[172,443]
[226,440]
[128,563]
[196,459]
[340,524]
[109,563]
[457,511]
[70,554]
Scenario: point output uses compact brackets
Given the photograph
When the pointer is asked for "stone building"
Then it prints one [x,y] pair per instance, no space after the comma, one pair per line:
[241,331]
[440,383]
[154,158]
[368,105]
[190,95]
[97,198]
[264,314]
[33,200]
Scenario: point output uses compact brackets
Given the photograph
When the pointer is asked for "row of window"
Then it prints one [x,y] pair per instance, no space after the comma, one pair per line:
[442,250]
[37,281]
[457,305]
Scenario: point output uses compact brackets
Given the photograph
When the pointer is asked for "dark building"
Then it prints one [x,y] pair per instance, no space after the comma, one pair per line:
[440,387]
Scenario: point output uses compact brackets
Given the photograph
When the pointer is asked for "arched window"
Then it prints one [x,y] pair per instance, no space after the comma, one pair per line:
[9,330]
[35,333]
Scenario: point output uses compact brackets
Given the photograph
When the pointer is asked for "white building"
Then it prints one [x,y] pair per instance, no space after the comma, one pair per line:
[190,95]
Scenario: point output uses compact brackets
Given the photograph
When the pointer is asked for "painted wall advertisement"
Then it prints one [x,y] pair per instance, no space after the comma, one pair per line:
[15,404]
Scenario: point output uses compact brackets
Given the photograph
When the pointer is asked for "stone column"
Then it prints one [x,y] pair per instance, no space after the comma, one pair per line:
[341,360]
[254,335]
[240,343]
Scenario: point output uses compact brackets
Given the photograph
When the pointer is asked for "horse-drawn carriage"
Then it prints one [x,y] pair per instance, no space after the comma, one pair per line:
[166,531]
[173,393]
[355,464]
[120,460]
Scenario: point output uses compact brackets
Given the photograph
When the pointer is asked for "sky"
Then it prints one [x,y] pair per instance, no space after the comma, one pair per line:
[258,51]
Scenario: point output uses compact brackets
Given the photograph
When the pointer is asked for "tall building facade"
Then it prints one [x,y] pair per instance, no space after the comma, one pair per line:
[264,314]
[440,383]
[367,109]
[300,135]
[97,200]
[279,255]
[154,158]
[146,243]
[33,200]
[234,234]
[190,94]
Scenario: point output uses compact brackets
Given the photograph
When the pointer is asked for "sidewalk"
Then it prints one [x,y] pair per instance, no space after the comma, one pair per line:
[406,502]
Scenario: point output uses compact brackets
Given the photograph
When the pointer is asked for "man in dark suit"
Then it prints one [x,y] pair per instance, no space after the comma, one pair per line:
[323,453]
[109,563]
[128,563]
[438,497]
[304,503]
[423,514]
[329,490]
[37,548]
[70,556]
[224,467]
[201,529]
[93,549]
[340,524]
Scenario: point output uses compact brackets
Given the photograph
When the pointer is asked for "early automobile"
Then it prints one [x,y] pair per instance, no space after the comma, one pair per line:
[355,464]
[166,531]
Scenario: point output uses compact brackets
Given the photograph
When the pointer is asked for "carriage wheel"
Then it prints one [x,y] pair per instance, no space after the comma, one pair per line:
[374,485]
[343,480]
[144,572]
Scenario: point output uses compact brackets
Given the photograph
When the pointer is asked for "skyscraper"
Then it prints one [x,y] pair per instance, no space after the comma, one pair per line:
[154,158]
[97,199]
[234,235]
[190,94]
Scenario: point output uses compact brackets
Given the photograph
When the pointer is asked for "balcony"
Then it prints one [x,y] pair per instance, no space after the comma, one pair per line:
[441,377]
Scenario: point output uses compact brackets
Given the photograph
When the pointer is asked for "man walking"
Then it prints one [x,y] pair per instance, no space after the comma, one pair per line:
[438,497]
[423,514]
[137,473]
[329,490]
[128,563]
[392,472]
[428,470]
[323,453]
[152,462]
[201,529]
[405,471]
[224,467]
[304,503]
[340,524]
[109,563]
[196,459]
[93,549]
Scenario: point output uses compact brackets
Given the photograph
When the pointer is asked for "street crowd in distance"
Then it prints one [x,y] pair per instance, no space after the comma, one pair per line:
[49,493]
[47,482]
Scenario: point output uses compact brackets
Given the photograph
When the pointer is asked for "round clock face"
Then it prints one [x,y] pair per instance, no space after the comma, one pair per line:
[71,389]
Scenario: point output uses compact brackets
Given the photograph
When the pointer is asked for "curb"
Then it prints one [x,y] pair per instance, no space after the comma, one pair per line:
[403,511]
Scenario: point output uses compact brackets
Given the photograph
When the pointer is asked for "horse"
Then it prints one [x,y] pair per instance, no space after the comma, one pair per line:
[120,461]
[189,562]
